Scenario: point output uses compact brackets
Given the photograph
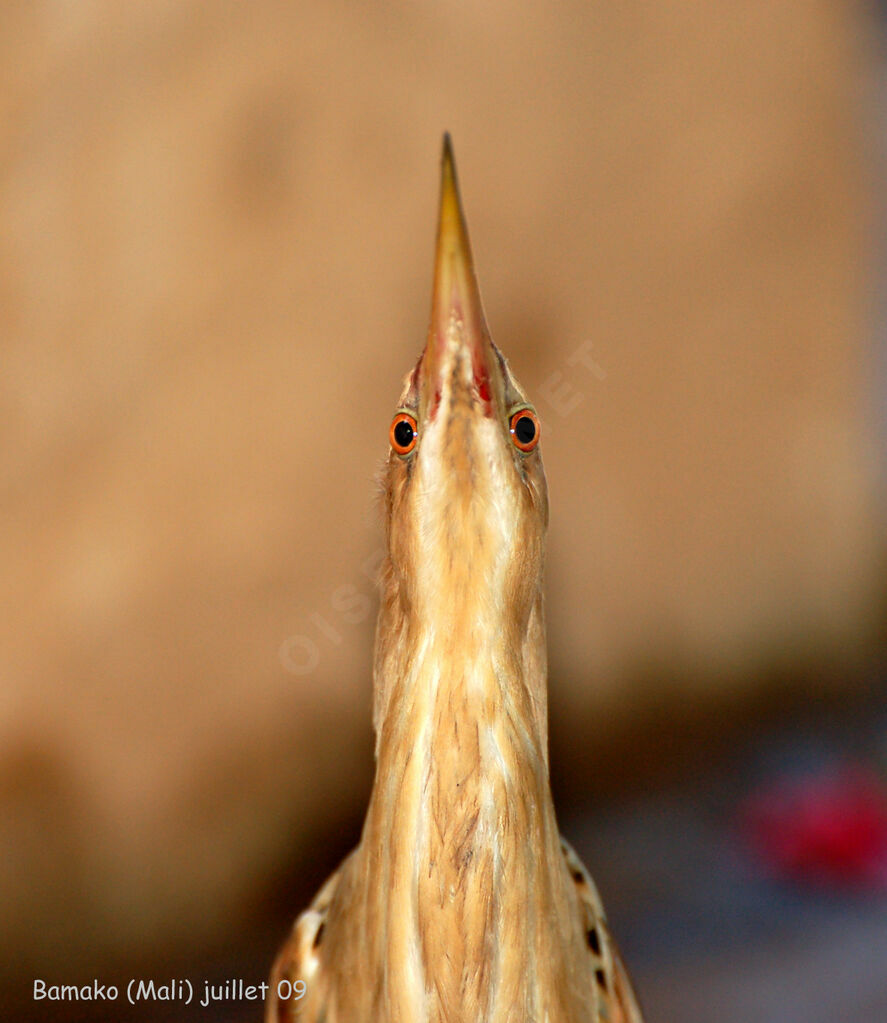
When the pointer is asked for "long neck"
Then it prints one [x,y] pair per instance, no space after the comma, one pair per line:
[461,840]
[462,651]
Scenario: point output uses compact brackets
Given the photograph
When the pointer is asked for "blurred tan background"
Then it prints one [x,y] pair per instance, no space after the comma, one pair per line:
[216,230]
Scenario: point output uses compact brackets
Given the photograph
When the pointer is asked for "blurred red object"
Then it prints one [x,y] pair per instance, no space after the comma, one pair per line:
[828,829]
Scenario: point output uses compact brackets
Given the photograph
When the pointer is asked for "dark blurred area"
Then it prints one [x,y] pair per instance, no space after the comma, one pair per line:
[216,232]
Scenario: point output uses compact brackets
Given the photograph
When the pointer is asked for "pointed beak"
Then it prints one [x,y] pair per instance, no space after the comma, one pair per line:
[459,361]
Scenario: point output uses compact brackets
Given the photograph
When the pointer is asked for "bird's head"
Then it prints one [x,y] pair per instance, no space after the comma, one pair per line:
[466,499]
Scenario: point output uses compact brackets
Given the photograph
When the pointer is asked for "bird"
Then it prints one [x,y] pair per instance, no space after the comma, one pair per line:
[461,902]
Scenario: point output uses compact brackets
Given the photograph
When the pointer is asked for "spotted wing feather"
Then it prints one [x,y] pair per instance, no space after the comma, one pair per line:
[616,999]
[299,959]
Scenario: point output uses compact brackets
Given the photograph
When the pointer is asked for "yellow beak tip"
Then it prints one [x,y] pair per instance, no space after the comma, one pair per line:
[452,232]
[447,159]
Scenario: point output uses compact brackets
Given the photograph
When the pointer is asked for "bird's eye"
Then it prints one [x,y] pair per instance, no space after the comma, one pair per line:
[524,429]
[403,433]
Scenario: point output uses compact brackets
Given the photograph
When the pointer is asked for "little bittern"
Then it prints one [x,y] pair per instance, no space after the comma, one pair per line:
[461,903]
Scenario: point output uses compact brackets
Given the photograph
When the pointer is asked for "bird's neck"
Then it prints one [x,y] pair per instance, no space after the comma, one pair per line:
[467,663]
[461,841]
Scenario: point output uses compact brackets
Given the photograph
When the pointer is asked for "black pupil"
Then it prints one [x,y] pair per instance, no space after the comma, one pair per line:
[403,434]
[524,429]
